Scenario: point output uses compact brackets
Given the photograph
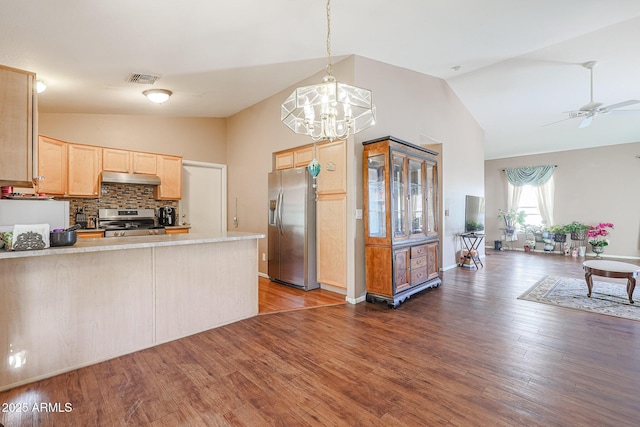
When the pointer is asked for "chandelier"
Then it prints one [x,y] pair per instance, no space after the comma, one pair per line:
[329,110]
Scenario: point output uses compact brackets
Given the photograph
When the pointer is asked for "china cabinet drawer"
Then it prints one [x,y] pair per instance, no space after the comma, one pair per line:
[418,251]
[418,275]
[418,262]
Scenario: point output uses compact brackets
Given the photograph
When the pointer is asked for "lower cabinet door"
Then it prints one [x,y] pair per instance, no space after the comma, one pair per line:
[432,261]
[401,269]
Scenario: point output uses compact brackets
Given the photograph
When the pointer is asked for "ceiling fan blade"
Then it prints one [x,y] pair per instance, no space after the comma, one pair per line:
[624,112]
[586,122]
[563,120]
[619,105]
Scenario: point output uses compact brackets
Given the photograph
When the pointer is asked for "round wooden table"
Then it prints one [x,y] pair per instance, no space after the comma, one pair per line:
[613,269]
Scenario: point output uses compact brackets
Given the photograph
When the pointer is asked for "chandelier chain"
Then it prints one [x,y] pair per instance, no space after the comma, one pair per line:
[329,64]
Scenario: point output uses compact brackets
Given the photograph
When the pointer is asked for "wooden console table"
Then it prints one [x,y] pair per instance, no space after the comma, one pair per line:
[613,269]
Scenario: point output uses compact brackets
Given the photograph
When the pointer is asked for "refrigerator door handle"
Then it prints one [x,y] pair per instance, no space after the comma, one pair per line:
[279,211]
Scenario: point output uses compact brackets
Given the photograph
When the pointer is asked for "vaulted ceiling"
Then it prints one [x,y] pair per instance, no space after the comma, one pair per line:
[519,62]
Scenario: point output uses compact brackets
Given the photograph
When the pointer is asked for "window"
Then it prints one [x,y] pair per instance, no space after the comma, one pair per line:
[529,204]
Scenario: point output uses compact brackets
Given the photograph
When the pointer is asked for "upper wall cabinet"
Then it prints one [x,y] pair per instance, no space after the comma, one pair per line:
[17,126]
[170,173]
[293,158]
[52,165]
[83,170]
[144,163]
[73,170]
[115,160]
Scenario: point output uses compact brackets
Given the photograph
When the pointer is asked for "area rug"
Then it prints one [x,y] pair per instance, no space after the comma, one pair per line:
[606,298]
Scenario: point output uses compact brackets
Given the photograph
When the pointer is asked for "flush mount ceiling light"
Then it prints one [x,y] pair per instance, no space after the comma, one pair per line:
[40,86]
[157,95]
[329,110]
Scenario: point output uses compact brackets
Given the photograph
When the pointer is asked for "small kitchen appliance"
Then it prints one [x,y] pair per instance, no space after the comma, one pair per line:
[128,222]
[167,216]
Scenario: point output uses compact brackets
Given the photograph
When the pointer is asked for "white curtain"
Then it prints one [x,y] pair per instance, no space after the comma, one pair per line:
[513,196]
[538,176]
[545,201]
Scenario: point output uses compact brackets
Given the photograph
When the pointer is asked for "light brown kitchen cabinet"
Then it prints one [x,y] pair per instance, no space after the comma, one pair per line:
[302,156]
[91,234]
[402,246]
[52,165]
[331,214]
[83,170]
[126,161]
[17,126]
[284,160]
[293,158]
[170,173]
[331,235]
[333,161]
[114,160]
[179,230]
[144,163]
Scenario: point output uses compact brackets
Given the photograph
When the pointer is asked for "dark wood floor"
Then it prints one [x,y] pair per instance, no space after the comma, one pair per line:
[465,354]
[274,297]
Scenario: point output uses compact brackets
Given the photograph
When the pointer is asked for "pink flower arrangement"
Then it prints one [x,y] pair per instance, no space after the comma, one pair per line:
[597,234]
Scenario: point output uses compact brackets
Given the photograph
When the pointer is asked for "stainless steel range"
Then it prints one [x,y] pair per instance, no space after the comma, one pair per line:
[128,222]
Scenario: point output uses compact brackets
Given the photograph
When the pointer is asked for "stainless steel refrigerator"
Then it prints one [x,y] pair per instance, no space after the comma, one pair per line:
[292,228]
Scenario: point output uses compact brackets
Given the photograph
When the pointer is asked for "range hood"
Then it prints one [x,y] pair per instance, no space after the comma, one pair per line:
[130,178]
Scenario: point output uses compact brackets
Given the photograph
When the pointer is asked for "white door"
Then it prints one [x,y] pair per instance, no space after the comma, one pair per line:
[204,197]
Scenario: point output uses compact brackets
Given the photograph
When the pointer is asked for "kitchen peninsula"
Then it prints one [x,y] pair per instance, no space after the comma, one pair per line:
[68,307]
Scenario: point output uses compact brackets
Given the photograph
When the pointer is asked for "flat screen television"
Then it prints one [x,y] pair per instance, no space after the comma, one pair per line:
[474,214]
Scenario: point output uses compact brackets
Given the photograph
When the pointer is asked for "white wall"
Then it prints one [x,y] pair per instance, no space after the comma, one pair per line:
[592,185]
[194,138]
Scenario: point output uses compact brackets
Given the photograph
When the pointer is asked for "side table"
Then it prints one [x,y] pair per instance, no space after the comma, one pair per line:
[472,242]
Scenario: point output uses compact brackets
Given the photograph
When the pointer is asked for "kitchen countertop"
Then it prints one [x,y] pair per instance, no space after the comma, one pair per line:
[133,242]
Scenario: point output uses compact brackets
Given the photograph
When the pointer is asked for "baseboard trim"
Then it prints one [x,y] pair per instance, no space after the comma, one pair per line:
[361,298]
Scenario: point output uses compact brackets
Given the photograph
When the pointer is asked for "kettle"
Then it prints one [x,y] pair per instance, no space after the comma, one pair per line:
[167,216]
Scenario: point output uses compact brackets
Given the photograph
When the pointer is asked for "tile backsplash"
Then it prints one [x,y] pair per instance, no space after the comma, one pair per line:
[128,196]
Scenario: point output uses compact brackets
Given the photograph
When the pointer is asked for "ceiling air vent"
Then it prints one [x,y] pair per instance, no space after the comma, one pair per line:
[143,79]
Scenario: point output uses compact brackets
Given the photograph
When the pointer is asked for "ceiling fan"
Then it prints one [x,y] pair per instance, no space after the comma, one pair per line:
[592,109]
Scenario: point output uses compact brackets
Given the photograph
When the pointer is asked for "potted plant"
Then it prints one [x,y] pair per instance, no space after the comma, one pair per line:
[577,229]
[511,219]
[559,233]
[598,237]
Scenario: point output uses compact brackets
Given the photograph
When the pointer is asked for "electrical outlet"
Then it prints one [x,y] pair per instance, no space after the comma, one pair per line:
[264,256]
[235,221]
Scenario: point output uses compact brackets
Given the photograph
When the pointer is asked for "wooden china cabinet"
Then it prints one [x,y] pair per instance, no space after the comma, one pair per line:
[402,244]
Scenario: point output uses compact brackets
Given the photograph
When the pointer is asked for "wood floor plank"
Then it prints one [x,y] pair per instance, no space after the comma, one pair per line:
[467,353]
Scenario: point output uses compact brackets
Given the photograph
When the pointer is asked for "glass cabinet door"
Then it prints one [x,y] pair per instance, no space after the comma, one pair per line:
[416,198]
[399,196]
[430,194]
[377,196]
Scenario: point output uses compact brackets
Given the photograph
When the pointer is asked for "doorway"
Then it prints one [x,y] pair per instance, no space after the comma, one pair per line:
[204,197]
